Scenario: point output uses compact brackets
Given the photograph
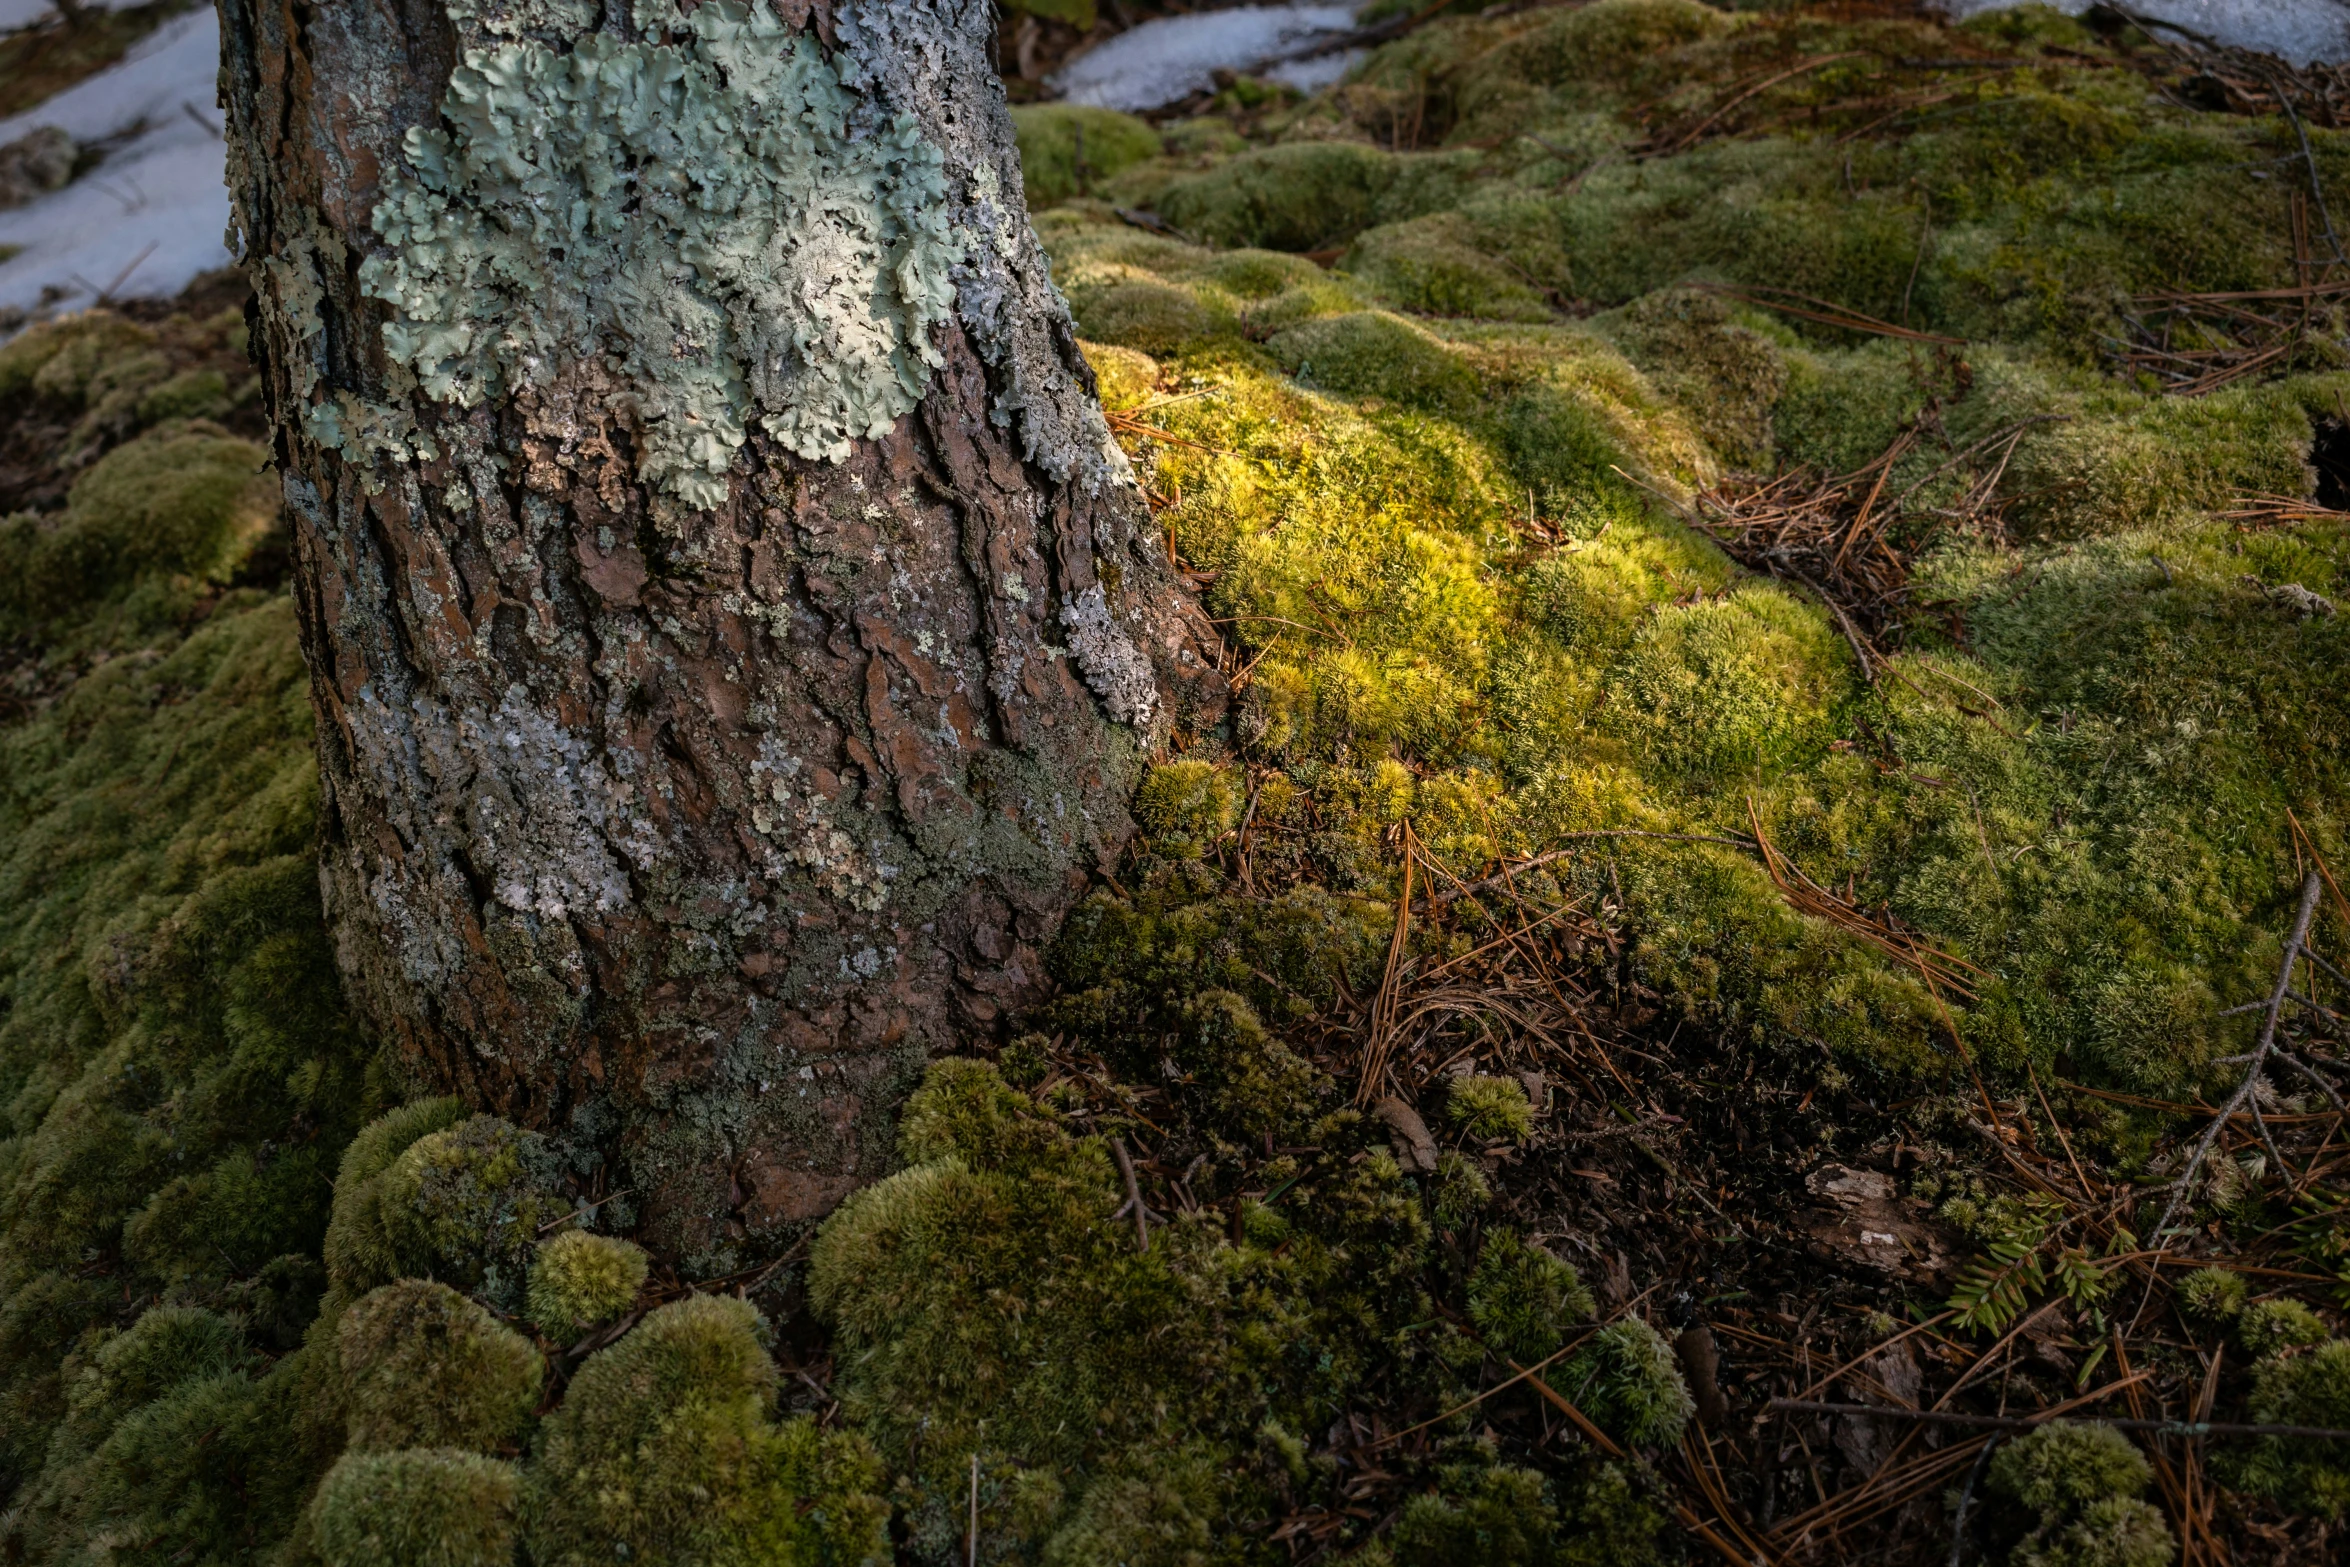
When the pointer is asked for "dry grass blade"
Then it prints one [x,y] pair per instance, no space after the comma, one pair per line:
[1608,1445]
[1689,138]
[2191,343]
[1941,970]
[2278,511]
[1379,1039]
[1826,312]
[1834,534]
[1135,429]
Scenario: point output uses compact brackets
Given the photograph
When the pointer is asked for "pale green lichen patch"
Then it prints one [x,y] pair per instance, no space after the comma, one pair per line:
[699,218]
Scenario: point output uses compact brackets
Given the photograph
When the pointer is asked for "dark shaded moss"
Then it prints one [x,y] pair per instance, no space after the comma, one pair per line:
[468,1203]
[425,1367]
[982,1299]
[2073,1491]
[417,1508]
[1523,1299]
[184,503]
[1310,195]
[1482,1512]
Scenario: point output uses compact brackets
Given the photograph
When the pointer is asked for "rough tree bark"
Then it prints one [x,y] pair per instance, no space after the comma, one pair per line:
[732,633]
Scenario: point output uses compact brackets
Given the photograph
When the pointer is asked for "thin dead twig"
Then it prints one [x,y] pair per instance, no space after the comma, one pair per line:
[1826,312]
[2255,1071]
[1142,1226]
[1687,139]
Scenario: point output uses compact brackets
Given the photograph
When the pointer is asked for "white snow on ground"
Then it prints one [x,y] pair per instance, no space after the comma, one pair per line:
[160,198]
[1177,56]
[1323,70]
[159,201]
[2295,30]
[24,13]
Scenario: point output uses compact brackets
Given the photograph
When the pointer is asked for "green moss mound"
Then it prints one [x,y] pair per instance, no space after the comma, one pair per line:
[186,501]
[2310,1388]
[1628,1380]
[1523,1299]
[987,1283]
[416,1508]
[1376,354]
[2080,1484]
[578,1280]
[1066,150]
[665,1449]
[425,1367]
[470,1202]
[1483,1511]
[2213,1296]
[360,1249]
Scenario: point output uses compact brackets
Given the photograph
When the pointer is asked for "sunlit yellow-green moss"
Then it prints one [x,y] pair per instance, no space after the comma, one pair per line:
[1066,150]
[578,1280]
[665,1449]
[1187,805]
[2075,778]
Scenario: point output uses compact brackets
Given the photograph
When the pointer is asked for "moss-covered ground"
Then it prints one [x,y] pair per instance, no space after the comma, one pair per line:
[1760,916]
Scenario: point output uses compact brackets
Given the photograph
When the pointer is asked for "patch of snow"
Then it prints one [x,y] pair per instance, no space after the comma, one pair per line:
[1176,56]
[1323,70]
[16,14]
[2300,31]
[159,199]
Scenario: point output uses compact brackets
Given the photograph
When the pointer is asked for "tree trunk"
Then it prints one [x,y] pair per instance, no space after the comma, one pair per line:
[732,632]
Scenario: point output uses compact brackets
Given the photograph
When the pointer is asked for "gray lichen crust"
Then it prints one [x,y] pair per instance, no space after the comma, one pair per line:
[705,214]
[929,59]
